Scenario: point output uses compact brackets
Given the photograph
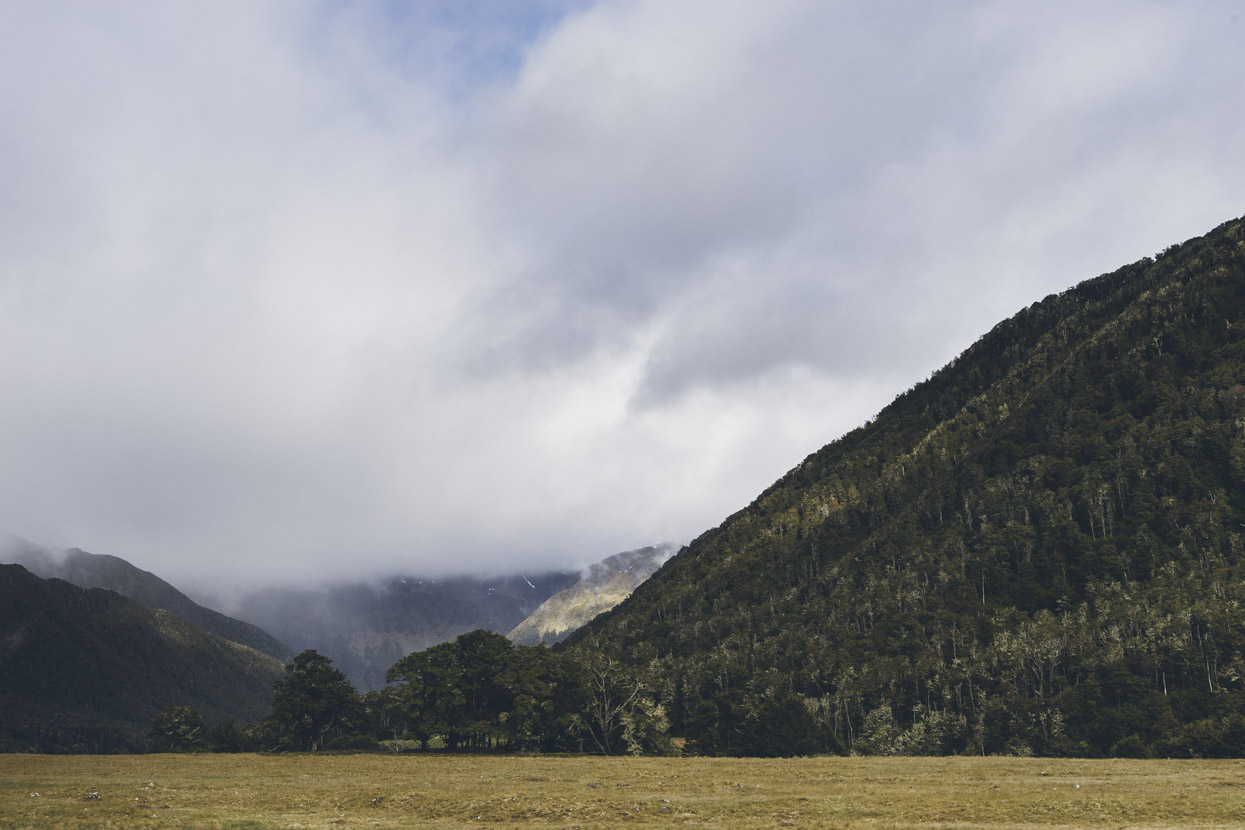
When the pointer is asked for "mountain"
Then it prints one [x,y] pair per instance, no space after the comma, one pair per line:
[89,570]
[86,670]
[367,627]
[597,589]
[1038,549]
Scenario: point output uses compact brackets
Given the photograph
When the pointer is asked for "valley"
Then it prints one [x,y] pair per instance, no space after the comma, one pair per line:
[1035,551]
[365,627]
[563,792]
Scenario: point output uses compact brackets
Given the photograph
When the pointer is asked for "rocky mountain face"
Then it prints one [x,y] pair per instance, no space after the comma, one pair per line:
[1038,549]
[89,570]
[87,670]
[367,627]
[597,589]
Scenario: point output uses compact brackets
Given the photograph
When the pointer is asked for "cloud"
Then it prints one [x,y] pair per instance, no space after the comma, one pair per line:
[298,290]
[757,179]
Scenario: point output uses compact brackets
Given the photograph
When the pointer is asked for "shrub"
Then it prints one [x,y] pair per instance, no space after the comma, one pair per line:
[1131,747]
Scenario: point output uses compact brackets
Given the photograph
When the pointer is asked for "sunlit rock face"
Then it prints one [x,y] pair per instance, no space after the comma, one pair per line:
[598,589]
[365,627]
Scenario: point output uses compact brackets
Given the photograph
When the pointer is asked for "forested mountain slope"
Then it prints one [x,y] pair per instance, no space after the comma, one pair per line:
[92,570]
[87,670]
[1037,549]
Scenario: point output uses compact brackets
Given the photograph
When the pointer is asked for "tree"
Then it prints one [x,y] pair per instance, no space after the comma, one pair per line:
[431,699]
[311,702]
[481,692]
[226,736]
[620,713]
[177,729]
[387,715]
[547,694]
[783,727]
[485,658]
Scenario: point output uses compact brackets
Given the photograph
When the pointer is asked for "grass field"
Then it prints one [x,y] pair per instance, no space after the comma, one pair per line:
[250,791]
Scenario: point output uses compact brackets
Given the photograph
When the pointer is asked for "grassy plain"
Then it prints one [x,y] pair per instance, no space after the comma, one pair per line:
[251,791]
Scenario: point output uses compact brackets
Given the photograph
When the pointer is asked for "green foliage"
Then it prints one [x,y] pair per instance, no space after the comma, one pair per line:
[1134,746]
[783,727]
[226,736]
[312,703]
[177,729]
[880,733]
[87,671]
[354,743]
[620,715]
[1038,550]
[481,692]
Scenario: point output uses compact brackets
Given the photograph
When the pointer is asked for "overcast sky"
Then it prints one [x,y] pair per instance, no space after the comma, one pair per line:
[303,290]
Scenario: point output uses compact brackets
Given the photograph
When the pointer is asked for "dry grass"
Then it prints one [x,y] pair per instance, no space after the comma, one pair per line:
[249,791]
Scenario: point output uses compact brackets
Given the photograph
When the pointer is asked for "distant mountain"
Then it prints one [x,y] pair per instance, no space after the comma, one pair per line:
[87,670]
[597,589]
[367,627]
[89,570]
[1038,549]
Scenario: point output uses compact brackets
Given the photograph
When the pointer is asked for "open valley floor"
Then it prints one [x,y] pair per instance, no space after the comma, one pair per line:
[434,790]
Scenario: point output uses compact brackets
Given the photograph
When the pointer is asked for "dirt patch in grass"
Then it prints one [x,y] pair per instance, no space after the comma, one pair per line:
[304,791]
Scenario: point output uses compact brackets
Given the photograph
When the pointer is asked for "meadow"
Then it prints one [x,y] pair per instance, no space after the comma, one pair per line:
[330,791]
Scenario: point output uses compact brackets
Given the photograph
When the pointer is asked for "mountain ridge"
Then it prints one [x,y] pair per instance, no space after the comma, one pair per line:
[92,570]
[1081,462]
[597,588]
[86,669]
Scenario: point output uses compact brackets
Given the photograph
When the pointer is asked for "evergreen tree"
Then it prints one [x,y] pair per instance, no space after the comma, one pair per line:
[177,729]
[311,703]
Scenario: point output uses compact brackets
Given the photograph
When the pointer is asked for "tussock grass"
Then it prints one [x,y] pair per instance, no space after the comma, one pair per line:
[324,791]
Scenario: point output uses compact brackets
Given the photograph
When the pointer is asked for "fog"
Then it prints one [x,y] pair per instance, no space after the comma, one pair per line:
[302,292]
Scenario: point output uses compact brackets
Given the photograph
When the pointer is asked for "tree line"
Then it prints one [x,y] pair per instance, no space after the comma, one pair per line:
[478,693]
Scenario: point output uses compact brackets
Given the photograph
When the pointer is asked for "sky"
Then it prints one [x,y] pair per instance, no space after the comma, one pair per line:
[294,291]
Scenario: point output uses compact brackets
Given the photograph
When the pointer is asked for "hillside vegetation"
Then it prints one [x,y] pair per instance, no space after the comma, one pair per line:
[88,670]
[91,570]
[1039,549]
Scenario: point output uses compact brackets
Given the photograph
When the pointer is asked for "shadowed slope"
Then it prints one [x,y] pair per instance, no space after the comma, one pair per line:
[90,570]
[86,670]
